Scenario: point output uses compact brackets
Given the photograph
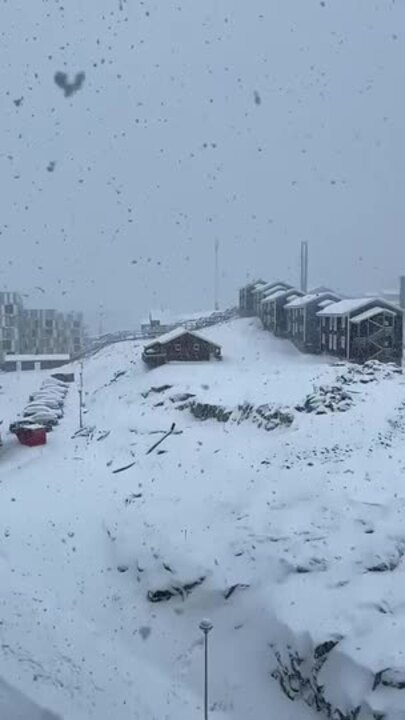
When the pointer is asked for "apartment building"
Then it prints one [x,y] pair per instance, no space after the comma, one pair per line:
[11,311]
[26,331]
[48,331]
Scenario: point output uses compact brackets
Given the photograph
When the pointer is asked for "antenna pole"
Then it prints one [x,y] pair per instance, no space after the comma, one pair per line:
[216,278]
[304,266]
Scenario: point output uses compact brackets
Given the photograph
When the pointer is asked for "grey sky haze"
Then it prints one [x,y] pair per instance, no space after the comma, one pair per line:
[261,123]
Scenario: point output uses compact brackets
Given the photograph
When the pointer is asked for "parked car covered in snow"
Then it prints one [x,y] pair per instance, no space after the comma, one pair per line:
[44,417]
[55,390]
[49,399]
[33,408]
[55,383]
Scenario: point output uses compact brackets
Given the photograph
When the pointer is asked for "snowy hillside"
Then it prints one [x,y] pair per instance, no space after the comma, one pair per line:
[282,521]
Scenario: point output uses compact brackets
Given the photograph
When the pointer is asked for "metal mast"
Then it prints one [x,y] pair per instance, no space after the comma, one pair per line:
[304,266]
[216,275]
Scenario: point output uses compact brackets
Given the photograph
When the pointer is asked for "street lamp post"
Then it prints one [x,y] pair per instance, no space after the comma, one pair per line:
[81,397]
[206,626]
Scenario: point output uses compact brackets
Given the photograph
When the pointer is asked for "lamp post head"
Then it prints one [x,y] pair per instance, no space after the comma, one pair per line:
[206,625]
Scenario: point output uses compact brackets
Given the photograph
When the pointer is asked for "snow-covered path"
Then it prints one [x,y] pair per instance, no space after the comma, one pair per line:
[81,545]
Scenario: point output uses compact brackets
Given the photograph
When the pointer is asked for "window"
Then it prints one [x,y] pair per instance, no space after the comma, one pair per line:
[48,323]
[9,309]
[7,345]
[76,323]
[177,347]
[196,347]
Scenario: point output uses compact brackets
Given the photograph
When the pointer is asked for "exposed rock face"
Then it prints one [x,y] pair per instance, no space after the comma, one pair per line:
[265,416]
[326,399]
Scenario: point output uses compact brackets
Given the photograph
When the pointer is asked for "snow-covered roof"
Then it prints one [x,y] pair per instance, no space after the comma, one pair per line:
[306,299]
[270,294]
[344,307]
[260,283]
[370,313]
[35,358]
[177,333]
[270,286]
[30,426]
[261,288]
[284,293]
[325,303]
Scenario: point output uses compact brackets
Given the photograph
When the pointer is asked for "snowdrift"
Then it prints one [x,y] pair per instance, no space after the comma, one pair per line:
[116,541]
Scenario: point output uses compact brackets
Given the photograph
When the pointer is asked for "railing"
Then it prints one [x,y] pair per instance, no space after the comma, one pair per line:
[134,335]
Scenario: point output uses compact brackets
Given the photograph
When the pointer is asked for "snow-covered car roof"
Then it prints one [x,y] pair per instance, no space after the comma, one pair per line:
[33,409]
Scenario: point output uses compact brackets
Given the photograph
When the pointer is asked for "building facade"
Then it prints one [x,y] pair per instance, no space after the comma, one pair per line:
[274,310]
[303,322]
[354,329]
[361,329]
[48,331]
[246,298]
[11,309]
[265,292]
[38,332]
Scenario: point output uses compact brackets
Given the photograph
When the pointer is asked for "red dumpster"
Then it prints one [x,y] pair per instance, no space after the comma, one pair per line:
[31,436]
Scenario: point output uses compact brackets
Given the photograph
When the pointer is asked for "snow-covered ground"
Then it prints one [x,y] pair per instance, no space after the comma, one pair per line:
[287,539]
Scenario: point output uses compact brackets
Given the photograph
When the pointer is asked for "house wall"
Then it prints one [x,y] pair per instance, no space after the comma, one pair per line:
[269,315]
[280,317]
[246,308]
[280,323]
[187,348]
[312,329]
[339,337]
[379,337]
[296,326]
[334,335]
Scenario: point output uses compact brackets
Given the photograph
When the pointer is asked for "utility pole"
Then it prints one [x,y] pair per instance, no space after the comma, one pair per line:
[101,323]
[216,278]
[81,397]
[304,266]
[206,626]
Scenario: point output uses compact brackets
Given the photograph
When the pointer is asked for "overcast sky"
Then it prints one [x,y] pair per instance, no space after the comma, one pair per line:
[258,122]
